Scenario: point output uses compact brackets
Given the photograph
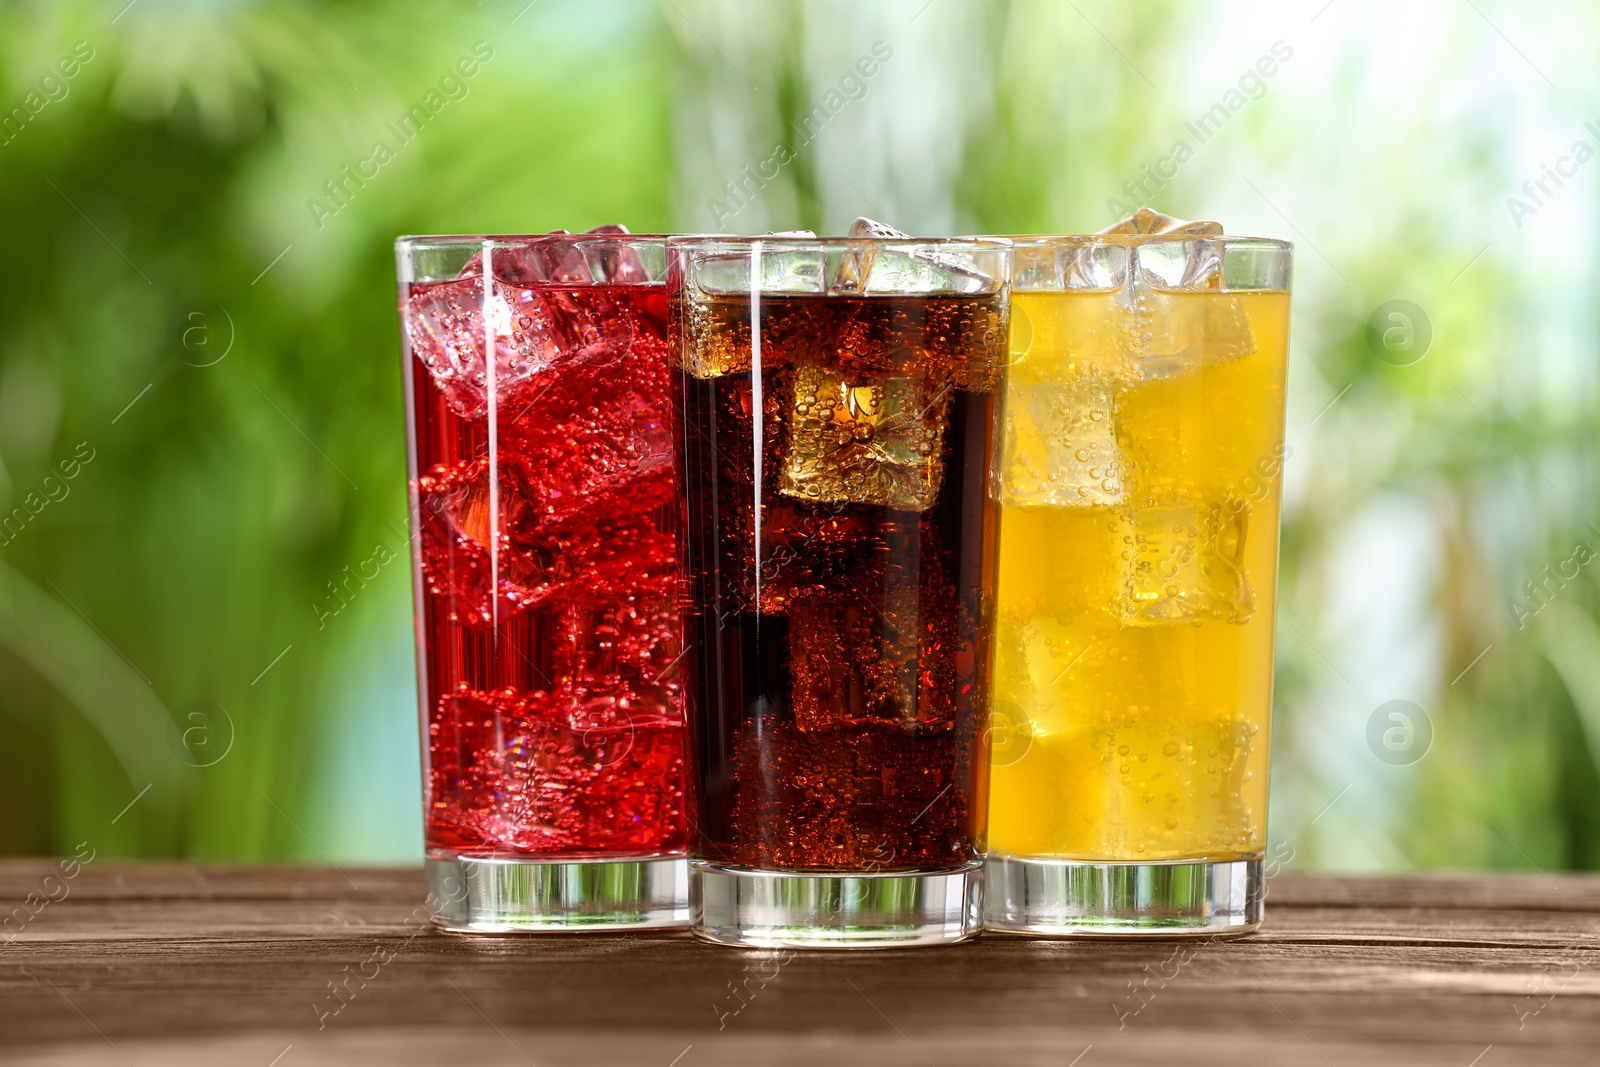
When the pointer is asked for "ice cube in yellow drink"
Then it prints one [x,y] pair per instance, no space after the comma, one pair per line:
[1141,453]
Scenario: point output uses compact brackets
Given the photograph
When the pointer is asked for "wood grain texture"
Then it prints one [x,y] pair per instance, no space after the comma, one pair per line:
[178,964]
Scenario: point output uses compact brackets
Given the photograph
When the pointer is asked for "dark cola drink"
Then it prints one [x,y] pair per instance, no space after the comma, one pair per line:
[839,545]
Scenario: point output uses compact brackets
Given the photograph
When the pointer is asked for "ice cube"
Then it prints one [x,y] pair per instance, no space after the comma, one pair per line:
[719,314]
[833,659]
[1038,663]
[790,270]
[538,772]
[619,660]
[1164,789]
[807,549]
[555,258]
[716,337]
[861,799]
[579,443]
[532,322]
[1170,326]
[607,541]
[868,441]
[850,276]
[1146,220]
[536,261]
[1166,294]
[1186,564]
[774,267]
[879,645]
[1059,444]
[621,262]
[871,267]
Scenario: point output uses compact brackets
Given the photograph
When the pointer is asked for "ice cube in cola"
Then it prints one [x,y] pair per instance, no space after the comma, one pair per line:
[549,575]
[839,515]
[872,440]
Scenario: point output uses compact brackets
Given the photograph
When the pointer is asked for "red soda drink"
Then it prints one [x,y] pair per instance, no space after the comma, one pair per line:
[542,496]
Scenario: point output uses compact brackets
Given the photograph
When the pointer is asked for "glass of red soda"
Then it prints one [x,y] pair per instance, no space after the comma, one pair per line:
[547,579]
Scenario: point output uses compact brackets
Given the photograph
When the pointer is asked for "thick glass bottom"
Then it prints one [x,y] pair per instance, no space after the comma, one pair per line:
[740,906]
[502,895]
[1065,898]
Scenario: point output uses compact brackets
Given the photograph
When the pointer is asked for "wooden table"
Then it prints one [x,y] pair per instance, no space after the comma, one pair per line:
[176,964]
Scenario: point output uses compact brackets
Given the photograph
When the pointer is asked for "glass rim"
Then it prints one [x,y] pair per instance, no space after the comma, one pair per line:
[425,259]
[979,244]
[1133,240]
[420,240]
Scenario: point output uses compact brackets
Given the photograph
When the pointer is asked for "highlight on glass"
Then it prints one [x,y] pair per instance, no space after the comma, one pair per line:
[837,401]
[546,572]
[1141,459]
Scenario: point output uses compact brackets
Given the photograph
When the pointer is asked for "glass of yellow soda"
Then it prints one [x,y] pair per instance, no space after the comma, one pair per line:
[1140,471]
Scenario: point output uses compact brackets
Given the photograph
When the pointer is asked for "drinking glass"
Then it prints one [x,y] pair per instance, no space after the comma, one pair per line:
[1141,453]
[836,401]
[546,580]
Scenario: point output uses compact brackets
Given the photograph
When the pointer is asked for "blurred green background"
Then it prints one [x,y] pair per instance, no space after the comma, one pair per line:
[200,409]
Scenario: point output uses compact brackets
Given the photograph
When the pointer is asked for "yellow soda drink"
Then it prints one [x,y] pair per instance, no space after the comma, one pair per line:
[1141,454]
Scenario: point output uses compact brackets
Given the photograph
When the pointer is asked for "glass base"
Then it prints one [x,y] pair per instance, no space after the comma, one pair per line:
[503,895]
[1065,898]
[740,906]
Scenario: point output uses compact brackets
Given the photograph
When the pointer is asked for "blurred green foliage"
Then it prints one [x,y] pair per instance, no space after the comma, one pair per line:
[186,300]
[158,218]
